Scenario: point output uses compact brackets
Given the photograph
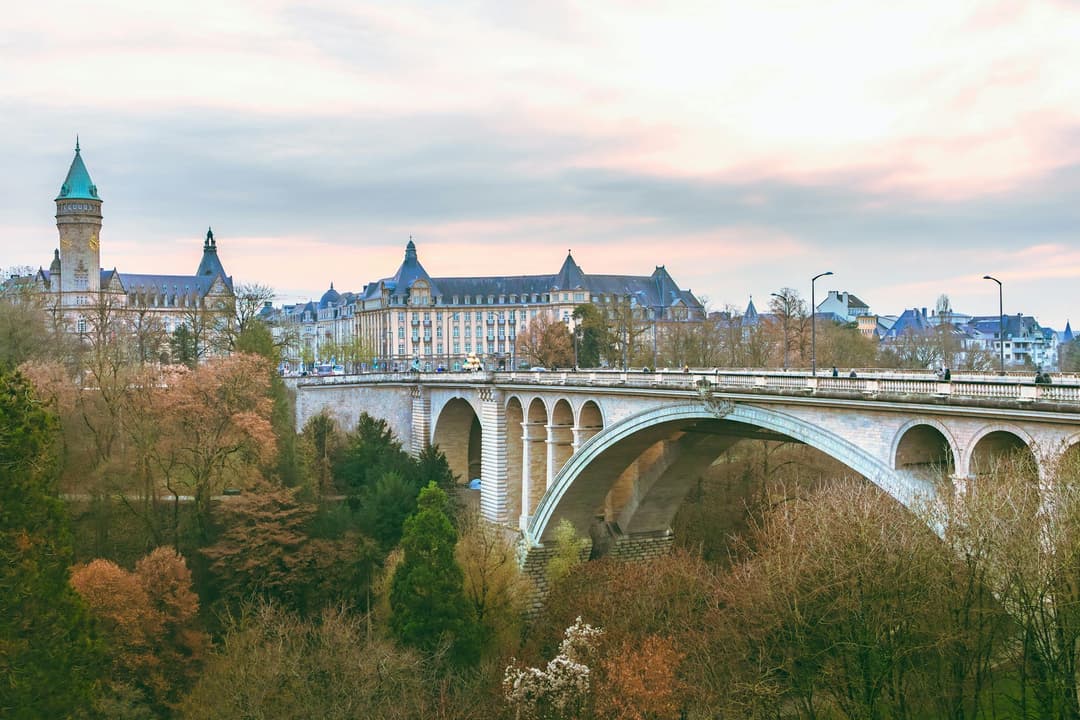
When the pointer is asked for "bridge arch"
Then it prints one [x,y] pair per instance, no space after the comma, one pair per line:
[924,445]
[582,484]
[993,443]
[590,420]
[458,434]
[1067,462]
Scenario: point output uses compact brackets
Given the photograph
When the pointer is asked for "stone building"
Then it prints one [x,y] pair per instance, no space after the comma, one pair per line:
[76,287]
[413,319]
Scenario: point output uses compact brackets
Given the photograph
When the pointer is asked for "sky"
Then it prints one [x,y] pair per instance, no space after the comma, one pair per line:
[910,148]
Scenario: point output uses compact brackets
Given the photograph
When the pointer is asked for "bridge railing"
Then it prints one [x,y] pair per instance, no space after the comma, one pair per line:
[1066,389]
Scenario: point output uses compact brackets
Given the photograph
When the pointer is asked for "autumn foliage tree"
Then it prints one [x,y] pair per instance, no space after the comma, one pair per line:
[217,429]
[547,342]
[266,551]
[150,621]
[274,664]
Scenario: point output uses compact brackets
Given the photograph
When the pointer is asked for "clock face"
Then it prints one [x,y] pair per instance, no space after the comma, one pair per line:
[65,243]
[93,242]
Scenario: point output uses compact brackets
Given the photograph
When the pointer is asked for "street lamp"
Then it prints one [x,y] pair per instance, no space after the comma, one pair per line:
[1001,325]
[626,333]
[787,312]
[813,324]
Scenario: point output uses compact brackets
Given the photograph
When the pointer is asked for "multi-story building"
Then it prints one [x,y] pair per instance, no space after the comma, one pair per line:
[1026,343]
[843,306]
[75,287]
[413,319]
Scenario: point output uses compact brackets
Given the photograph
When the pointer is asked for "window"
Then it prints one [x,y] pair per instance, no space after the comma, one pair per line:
[401,317]
[401,349]
[579,297]
[401,332]
[456,328]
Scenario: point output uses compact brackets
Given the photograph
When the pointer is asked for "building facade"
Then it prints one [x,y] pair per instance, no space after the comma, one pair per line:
[76,288]
[411,319]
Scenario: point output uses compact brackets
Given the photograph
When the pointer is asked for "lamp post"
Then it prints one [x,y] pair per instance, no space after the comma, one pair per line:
[626,334]
[576,332]
[813,323]
[1001,326]
[787,314]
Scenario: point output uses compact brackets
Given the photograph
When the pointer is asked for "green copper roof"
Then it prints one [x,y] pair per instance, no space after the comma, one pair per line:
[78,184]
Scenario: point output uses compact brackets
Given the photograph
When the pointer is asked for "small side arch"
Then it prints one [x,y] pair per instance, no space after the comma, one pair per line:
[924,446]
[993,443]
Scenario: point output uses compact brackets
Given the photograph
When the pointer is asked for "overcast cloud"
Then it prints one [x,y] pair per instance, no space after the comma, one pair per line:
[910,148]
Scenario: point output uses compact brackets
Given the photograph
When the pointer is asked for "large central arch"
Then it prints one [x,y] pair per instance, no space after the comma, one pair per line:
[581,485]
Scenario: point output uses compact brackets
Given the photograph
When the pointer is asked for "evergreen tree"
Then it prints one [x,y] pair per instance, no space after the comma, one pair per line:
[385,505]
[183,347]
[371,451]
[594,336]
[427,600]
[50,660]
[431,466]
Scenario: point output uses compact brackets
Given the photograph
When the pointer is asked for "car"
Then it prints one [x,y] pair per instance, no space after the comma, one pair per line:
[538,368]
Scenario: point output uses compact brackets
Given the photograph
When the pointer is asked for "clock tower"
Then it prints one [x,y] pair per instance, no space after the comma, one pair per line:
[78,220]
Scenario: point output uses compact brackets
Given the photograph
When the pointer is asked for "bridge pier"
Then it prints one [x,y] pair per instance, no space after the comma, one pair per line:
[421,420]
[533,468]
[606,541]
[494,482]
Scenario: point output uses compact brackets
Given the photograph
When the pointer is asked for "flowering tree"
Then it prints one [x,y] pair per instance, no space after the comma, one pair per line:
[560,690]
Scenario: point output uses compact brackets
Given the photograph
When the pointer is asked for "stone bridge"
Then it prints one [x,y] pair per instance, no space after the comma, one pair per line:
[621,449]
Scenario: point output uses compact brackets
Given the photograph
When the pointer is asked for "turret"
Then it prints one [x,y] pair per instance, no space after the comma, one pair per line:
[210,263]
[54,272]
[78,220]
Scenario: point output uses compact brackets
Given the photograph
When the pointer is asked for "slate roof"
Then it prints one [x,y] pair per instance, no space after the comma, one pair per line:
[330,297]
[910,321]
[656,290]
[1067,335]
[1015,325]
[210,264]
[570,276]
[410,271]
[751,315]
[854,302]
[166,284]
